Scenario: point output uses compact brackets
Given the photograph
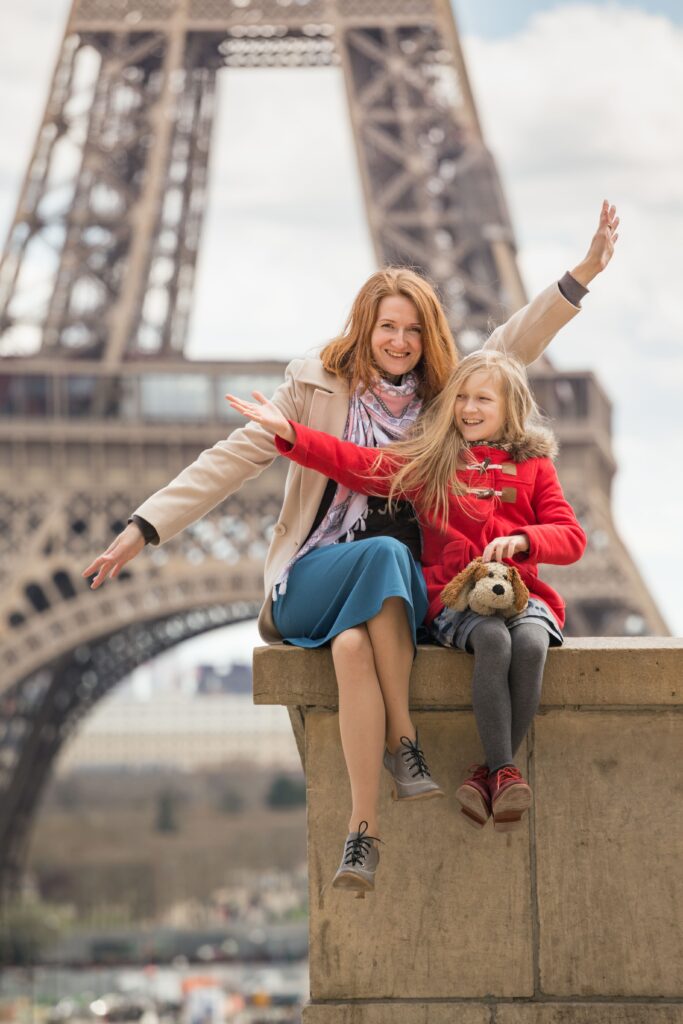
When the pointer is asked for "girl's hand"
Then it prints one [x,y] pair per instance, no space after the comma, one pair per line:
[601,249]
[266,413]
[125,547]
[505,547]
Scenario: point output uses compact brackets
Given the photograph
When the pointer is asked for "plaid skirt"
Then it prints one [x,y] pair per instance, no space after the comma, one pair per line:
[452,629]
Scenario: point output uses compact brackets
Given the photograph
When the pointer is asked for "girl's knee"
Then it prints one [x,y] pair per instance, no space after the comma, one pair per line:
[491,633]
[529,639]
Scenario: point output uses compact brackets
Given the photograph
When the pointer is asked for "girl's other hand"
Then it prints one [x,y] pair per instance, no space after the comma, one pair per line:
[505,547]
[601,248]
[265,413]
[126,546]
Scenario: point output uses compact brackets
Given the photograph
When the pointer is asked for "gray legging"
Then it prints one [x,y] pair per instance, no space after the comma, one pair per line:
[506,684]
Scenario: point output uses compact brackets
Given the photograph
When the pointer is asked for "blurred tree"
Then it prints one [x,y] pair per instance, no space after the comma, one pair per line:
[68,793]
[286,791]
[230,801]
[167,811]
[26,929]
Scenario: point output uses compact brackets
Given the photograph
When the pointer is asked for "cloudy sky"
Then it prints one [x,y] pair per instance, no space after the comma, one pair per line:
[578,101]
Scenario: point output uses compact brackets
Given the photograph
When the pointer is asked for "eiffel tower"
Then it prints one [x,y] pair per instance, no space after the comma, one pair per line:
[100,407]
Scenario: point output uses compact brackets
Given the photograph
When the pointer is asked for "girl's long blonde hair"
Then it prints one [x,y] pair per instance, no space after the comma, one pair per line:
[350,355]
[435,449]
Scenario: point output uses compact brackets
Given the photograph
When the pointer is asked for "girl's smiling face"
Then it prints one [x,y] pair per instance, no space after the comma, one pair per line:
[480,407]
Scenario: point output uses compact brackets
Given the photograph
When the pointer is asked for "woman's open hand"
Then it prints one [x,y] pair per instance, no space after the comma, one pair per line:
[266,413]
[601,248]
[127,545]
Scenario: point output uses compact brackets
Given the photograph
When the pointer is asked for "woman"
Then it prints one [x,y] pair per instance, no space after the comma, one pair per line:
[368,385]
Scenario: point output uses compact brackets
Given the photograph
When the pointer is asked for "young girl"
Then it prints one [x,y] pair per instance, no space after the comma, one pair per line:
[478,468]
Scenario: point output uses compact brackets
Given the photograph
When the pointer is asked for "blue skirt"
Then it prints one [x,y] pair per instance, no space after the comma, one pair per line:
[339,586]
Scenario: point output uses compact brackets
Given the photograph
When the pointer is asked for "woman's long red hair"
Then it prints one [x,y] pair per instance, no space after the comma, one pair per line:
[350,355]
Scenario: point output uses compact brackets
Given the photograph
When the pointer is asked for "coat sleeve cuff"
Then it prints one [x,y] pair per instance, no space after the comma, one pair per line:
[146,529]
[297,449]
[530,554]
[283,447]
[287,447]
[572,290]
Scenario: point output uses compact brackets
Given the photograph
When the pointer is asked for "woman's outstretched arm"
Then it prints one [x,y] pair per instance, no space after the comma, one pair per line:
[601,248]
[216,473]
[528,332]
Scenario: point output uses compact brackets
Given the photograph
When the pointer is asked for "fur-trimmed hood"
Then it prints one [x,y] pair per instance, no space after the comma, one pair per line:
[539,442]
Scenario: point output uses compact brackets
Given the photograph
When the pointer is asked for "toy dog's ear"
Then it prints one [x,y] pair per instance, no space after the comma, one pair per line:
[519,590]
[456,593]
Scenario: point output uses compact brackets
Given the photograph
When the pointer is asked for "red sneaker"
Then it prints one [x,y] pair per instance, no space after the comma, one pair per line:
[510,797]
[474,796]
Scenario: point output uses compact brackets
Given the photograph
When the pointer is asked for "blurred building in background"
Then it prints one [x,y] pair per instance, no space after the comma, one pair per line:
[203,725]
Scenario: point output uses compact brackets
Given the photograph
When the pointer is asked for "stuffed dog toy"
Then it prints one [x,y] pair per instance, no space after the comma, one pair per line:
[489,588]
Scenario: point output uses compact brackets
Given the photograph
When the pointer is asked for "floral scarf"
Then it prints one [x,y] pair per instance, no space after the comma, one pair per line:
[377,416]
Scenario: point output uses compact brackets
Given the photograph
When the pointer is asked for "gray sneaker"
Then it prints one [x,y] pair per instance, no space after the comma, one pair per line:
[359,863]
[408,768]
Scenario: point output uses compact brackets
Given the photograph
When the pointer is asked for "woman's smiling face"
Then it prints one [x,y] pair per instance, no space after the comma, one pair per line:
[397,336]
[480,407]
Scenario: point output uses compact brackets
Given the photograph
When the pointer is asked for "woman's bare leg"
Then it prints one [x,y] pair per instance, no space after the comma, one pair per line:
[362,722]
[392,648]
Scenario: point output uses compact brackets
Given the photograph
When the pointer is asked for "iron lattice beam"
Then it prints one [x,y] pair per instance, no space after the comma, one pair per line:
[116,242]
[431,186]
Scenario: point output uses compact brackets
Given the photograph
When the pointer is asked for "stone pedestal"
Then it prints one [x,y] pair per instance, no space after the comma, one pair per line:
[574,919]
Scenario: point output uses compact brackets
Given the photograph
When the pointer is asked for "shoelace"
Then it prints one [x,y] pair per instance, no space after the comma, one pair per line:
[478,772]
[357,849]
[414,758]
[508,771]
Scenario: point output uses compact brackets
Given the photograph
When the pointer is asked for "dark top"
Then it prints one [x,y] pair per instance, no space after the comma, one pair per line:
[403,525]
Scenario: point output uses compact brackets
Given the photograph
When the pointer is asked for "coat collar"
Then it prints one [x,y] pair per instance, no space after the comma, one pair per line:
[328,411]
[537,443]
[311,371]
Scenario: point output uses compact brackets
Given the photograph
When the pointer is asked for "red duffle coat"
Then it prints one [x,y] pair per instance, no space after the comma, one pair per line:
[512,491]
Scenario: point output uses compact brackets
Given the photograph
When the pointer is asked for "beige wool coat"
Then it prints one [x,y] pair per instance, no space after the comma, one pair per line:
[318,399]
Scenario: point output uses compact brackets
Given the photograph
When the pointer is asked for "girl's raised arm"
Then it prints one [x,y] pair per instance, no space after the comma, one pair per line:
[266,413]
[347,463]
